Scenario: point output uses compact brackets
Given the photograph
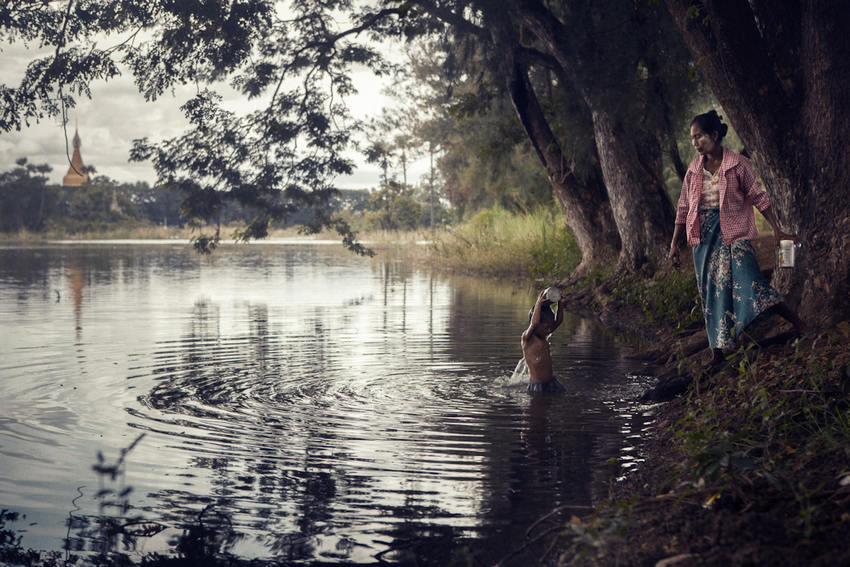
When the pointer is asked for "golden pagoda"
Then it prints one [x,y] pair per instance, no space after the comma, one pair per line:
[76,177]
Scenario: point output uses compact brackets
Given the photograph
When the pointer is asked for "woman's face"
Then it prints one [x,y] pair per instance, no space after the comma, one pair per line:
[704,143]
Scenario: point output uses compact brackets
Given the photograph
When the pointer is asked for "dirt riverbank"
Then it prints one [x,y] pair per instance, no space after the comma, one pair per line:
[749,461]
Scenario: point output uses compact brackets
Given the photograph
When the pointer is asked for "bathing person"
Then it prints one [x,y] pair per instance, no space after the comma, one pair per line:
[535,345]
[715,215]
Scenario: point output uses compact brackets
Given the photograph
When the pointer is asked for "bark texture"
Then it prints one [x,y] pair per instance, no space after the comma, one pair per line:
[781,71]
[630,158]
[585,202]
[632,172]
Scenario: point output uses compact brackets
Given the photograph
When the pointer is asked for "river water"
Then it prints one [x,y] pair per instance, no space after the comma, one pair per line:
[325,407]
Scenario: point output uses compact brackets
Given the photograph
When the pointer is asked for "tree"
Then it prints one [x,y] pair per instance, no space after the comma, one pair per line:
[585,203]
[578,35]
[274,160]
[284,156]
[781,71]
[24,197]
[159,205]
[573,45]
[381,154]
[486,144]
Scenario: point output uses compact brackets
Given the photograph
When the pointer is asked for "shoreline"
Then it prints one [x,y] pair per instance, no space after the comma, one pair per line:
[747,462]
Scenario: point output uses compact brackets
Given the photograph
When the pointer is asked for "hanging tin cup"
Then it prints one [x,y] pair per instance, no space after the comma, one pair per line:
[786,254]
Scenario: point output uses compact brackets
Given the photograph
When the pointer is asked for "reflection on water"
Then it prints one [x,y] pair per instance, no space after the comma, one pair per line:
[330,407]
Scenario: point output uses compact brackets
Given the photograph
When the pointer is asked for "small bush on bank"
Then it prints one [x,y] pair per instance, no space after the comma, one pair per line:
[497,242]
[670,299]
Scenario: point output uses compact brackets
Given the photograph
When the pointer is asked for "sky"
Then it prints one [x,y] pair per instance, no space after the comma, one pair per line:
[117,114]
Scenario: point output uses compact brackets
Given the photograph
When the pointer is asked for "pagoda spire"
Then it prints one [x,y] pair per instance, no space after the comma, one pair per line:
[76,177]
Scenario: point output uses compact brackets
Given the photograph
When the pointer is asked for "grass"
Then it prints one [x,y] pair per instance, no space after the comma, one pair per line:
[496,242]
[104,232]
[749,468]
[670,299]
[133,231]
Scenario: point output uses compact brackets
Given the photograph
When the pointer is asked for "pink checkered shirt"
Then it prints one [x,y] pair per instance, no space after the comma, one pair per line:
[740,190]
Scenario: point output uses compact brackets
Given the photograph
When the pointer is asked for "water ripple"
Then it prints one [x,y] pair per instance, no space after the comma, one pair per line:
[338,424]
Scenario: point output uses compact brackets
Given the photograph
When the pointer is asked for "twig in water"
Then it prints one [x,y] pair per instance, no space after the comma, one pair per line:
[528,544]
[552,513]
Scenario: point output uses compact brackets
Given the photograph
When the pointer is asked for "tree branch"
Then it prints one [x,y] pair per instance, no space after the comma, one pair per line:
[454,19]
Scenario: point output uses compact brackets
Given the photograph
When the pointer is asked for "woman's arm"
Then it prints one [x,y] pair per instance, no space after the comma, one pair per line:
[675,246]
[778,234]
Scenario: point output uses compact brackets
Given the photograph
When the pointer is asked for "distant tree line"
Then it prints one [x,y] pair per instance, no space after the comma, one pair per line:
[28,202]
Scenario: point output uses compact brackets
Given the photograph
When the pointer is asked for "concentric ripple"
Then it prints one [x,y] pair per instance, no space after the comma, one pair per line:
[330,408]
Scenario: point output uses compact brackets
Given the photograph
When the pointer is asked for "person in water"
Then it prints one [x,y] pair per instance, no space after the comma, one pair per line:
[715,217]
[535,345]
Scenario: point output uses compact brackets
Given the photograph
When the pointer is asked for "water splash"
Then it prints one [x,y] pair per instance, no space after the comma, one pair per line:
[521,374]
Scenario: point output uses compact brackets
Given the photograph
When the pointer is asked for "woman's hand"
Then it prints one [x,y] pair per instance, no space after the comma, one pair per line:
[779,235]
[674,256]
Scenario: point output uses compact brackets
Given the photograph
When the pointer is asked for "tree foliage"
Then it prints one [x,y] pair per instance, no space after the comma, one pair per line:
[24,198]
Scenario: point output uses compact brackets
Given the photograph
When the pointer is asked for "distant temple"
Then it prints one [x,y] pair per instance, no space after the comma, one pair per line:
[76,177]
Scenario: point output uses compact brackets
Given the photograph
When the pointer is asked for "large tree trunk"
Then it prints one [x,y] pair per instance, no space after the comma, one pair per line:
[783,79]
[585,204]
[630,160]
[632,172]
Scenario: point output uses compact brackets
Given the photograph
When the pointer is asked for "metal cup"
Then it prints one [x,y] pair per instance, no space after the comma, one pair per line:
[786,253]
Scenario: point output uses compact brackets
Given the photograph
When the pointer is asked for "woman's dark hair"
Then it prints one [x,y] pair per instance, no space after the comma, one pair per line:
[711,122]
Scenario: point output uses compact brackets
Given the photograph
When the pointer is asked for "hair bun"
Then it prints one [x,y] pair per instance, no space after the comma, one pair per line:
[711,122]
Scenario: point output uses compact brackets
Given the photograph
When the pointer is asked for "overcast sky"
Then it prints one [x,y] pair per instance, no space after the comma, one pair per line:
[117,114]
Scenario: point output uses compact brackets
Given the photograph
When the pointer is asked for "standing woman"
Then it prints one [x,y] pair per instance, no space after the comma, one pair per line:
[715,213]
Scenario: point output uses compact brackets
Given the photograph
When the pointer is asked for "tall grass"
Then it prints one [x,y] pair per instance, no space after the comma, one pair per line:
[497,242]
[100,232]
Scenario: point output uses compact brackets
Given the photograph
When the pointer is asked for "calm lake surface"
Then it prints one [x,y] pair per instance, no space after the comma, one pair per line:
[329,408]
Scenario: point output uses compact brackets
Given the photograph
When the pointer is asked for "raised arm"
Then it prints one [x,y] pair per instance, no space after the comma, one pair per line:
[535,316]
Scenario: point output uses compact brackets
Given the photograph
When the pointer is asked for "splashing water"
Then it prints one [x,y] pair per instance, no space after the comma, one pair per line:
[521,374]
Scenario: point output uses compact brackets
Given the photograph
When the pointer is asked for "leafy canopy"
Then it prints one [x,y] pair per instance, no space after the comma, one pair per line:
[294,59]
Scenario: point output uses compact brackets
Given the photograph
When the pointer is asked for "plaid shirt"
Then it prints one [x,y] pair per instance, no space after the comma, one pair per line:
[740,190]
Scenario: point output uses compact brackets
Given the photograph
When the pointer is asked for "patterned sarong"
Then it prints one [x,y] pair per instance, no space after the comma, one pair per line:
[732,288]
[543,388]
